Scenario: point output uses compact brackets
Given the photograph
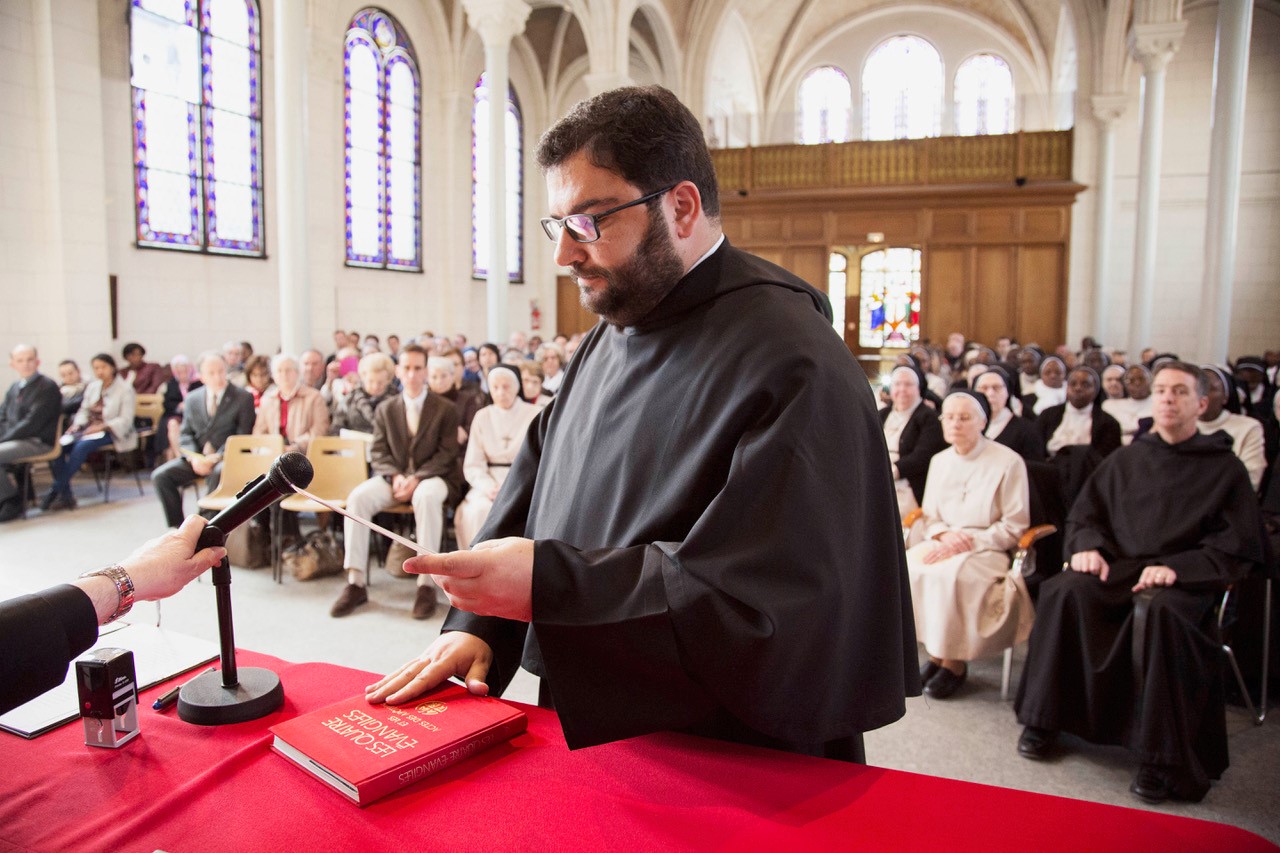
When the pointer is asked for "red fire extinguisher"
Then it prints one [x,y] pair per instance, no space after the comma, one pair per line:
[535,316]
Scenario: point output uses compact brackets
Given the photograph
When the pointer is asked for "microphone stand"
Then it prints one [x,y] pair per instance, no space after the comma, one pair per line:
[237,695]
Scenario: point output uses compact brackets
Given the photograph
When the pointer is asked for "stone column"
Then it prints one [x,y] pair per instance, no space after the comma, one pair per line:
[1107,109]
[1230,78]
[599,82]
[289,69]
[1153,45]
[497,22]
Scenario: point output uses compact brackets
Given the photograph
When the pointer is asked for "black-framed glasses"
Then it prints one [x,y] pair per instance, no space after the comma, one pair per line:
[584,227]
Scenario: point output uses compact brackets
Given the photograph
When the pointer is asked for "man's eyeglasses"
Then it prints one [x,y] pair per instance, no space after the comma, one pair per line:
[584,227]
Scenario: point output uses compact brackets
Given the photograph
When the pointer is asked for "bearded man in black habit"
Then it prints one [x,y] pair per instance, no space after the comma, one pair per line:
[1122,651]
[699,533]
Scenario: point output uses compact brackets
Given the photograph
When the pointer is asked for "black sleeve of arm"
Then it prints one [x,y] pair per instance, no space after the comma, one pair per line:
[40,634]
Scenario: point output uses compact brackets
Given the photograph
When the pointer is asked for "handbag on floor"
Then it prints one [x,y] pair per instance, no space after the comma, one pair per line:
[316,556]
[249,546]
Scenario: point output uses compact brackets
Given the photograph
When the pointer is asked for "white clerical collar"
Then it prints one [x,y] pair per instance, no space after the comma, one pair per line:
[415,401]
[1081,412]
[709,253]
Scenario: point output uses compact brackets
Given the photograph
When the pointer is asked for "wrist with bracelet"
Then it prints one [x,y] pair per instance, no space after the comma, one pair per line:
[124,588]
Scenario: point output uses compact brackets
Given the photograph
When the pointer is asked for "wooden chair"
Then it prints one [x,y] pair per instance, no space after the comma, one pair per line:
[245,458]
[1022,559]
[26,466]
[340,466]
[148,407]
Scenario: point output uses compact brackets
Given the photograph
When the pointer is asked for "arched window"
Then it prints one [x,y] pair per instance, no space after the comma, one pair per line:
[902,90]
[837,288]
[197,124]
[480,182]
[824,108]
[984,96]
[890,298]
[382,130]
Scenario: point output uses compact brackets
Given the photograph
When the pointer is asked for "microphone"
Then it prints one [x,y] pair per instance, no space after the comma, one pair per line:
[289,469]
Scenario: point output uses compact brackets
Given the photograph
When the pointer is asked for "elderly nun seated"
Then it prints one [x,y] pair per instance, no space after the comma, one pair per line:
[968,603]
[912,434]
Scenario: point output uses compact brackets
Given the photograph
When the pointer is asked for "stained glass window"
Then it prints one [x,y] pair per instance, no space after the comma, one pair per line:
[197,124]
[902,90]
[480,169]
[984,96]
[825,105]
[382,123]
[890,298]
[837,288]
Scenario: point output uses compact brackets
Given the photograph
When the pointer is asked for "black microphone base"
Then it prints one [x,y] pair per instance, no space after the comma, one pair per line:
[205,702]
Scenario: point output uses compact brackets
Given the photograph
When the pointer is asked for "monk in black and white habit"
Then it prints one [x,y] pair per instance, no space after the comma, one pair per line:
[699,532]
[1158,532]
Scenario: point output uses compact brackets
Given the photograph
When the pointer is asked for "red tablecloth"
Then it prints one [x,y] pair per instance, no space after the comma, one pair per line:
[180,787]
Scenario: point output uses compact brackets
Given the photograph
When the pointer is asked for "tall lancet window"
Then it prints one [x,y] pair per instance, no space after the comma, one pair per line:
[480,183]
[824,107]
[382,130]
[984,96]
[195,71]
[902,90]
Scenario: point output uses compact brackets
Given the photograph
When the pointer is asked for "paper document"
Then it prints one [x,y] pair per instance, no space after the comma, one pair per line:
[158,655]
[377,528]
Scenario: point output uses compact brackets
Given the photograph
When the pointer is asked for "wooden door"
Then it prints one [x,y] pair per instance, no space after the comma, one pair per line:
[571,317]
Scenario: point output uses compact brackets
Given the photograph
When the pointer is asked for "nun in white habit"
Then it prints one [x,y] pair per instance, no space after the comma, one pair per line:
[967,602]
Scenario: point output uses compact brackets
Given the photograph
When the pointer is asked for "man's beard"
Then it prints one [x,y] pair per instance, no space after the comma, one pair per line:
[636,287]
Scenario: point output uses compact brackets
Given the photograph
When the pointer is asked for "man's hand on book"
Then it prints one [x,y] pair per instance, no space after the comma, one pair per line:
[494,578]
[453,654]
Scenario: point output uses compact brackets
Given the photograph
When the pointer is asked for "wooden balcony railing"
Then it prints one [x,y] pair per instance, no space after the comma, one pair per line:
[1028,156]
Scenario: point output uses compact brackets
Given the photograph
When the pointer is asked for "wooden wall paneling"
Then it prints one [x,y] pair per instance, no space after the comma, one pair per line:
[772,254]
[571,317]
[810,263]
[1041,298]
[994,287]
[1044,224]
[1000,224]
[947,277]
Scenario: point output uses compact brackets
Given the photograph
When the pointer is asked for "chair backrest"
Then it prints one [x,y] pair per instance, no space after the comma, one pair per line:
[339,465]
[246,457]
[149,406]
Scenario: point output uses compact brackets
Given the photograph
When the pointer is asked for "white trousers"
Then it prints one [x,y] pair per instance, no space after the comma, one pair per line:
[372,497]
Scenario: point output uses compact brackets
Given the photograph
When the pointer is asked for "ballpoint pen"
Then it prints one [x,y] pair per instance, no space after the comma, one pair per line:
[170,698]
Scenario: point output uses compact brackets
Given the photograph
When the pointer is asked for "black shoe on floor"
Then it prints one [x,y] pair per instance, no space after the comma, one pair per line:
[48,500]
[1036,743]
[349,599]
[55,502]
[1152,784]
[928,671]
[945,682]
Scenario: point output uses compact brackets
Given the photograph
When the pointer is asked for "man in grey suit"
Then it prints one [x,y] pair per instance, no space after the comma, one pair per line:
[211,415]
[415,453]
[28,422]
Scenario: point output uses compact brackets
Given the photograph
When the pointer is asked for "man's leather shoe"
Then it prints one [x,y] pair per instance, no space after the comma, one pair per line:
[928,671]
[945,682]
[424,604]
[349,599]
[1152,784]
[48,500]
[1036,743]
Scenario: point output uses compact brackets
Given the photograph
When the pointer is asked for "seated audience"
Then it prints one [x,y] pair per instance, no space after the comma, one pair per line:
[257,372]
[912,433]
[375,371]
[1005,427]
[145,376]
[444,377]
[496,435]
[213,411]
[1256,389]
[105,418]
[415,454]
[311,365]
[531,382]
[1131,409]
[1161,528]
[471,369]
[1220,416]
[1029,358]
[488,355]
[1049,389]
[393,347]
[290,408]
[339,344]
[182,381]
[1080,420]
[1113,383]
[341,378]
[71,386]
[551,357]
[514,357]
[28,422]
[1095,359]
[967,602]
[233,354]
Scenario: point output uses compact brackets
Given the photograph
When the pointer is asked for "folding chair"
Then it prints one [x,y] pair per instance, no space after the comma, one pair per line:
[26,466]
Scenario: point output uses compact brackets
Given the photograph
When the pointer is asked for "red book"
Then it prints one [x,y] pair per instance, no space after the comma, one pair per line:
[367,751]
